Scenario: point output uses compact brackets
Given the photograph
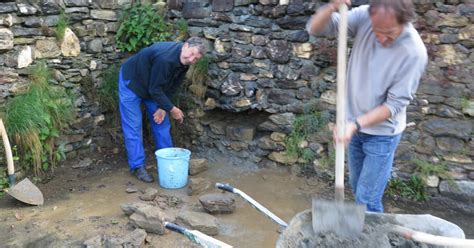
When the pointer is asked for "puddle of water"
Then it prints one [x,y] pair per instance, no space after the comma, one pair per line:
[81,204]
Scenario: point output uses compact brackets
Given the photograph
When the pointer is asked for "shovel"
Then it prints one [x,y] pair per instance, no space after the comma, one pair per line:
[254,203]
[24,191]
[344,219]
[197,236]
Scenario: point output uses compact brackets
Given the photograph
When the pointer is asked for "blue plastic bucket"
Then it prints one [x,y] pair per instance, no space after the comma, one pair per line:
[173,167]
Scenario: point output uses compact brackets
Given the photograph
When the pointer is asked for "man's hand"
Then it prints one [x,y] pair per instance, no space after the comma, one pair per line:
[335,4]
[177,114]
[159,116]
[346,137]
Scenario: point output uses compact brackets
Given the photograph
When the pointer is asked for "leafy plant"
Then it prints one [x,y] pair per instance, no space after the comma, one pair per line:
[413,189]
[303,126]
[140,26]
[35,117]
[61,26]
[108,90]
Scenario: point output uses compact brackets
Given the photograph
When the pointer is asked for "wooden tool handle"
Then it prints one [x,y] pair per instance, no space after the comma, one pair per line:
[341,97]
[431,239]
[8,149]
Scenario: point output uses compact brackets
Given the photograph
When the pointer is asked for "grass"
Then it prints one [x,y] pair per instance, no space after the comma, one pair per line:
[108,90]
[182,28]
[61,26]
[428,169]
[35,117]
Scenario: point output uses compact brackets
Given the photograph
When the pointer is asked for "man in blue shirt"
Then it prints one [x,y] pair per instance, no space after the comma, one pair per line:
[151,77]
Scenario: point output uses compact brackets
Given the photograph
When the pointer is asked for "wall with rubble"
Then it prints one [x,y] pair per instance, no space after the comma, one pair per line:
[266,72]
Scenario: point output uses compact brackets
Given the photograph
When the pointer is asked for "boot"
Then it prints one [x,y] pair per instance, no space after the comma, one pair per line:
[142,175]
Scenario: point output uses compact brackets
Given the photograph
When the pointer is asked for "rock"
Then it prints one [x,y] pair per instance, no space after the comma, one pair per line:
[47,49]
[197,166]
[130,208]
[283,158]
[461,190]
[26,9]
[218,203]
[194,10]
[432,181]
[25,57]
[468,108]
[70,46]
[447,127]
[202,222]
[131,189]
[94,242]
[267,143]
[76,3]
[299,232]
[303,50]
[8,7]
[244,2]
[83,163]
[450,144]
[197,186]
[149,195]
[232,86]
[278,51]
[460,159]
[6,39]
[293,23]
[95,46]
[108,15]
[222,5]
[149,218]
[240,132]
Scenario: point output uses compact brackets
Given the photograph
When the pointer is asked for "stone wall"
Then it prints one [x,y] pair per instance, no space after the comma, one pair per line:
[27,35]
[267,70]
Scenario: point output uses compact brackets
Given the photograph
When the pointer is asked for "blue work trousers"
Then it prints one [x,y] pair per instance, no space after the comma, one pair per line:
[370,166]
[131,117]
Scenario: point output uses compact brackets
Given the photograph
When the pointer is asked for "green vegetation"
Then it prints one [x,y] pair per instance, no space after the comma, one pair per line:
[61,26]
[108,90]
[140,26]
[303,126]
[199,75]
[413,189]
[183,29]
[34,119]
[329,160]
[425,169]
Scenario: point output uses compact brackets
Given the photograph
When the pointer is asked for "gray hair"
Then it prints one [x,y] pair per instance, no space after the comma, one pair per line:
[404,10]
[197,42]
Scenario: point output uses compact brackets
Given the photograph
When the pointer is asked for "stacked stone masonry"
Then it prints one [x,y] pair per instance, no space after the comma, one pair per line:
[266,70]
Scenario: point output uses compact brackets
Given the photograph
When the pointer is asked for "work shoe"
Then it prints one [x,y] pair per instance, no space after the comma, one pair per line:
[142,175]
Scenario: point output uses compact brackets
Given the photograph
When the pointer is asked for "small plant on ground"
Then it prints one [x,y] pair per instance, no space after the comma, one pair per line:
[303,126]
[35,118]
[413,189]
[141,26]
[61,26]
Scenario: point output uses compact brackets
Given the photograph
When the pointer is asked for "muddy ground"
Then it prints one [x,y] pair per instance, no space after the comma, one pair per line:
[85,202]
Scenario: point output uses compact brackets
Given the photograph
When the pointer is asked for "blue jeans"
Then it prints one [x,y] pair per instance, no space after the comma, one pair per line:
[370,165]
[131,117]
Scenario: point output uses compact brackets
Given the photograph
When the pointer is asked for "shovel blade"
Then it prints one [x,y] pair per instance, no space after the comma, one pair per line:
[343,219]
[25,191]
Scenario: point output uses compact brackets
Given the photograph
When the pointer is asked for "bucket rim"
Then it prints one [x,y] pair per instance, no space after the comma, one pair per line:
[186,153]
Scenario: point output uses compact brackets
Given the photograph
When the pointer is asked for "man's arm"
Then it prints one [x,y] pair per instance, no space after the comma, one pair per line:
[371,118]
[319,21]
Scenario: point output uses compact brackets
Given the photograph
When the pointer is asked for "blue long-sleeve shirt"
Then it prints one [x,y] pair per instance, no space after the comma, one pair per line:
[155,72]
[379,75]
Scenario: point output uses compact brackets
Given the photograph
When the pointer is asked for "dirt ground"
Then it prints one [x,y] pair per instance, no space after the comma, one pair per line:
[83,203]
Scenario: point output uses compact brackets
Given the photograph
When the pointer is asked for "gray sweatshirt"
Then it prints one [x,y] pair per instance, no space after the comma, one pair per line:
[378,75]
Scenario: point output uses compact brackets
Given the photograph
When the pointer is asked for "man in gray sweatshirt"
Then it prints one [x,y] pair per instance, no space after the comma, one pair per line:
[387,61]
